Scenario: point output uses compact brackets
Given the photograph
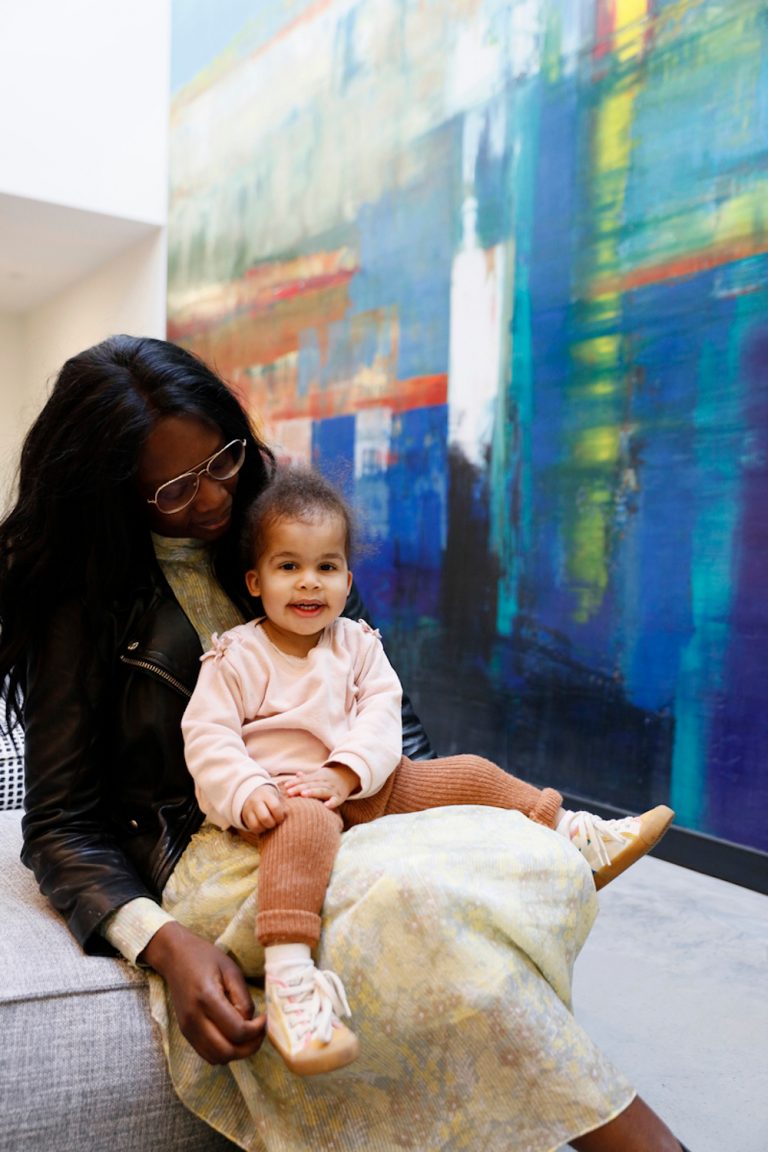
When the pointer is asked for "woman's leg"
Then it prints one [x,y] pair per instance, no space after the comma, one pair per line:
[636,1129]
[297,858]
[419,784]
[608,846]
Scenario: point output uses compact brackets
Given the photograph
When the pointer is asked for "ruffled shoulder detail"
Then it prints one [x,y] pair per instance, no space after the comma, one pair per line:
[367,628]
[219,646]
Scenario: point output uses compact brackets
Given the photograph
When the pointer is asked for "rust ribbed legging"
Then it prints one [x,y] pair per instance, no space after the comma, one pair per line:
[297,856]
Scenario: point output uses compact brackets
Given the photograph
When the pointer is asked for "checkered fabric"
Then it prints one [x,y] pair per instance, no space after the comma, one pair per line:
[11,769]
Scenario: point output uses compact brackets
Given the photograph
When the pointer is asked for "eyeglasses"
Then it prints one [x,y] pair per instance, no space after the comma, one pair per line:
[178,493]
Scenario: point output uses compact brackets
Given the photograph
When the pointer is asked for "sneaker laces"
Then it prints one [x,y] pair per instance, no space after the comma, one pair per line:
[311,1002]
[599,840]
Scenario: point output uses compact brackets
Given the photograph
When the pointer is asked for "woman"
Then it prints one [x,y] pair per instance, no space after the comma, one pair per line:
[132,484]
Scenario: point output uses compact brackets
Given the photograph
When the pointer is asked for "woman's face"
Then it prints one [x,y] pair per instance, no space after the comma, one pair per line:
[179,444]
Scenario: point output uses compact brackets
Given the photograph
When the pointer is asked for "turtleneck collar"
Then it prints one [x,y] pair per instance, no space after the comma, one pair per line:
[170,548]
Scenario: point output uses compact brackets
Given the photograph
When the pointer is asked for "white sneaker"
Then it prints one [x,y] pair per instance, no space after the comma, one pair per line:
[303,1006]
[611,846]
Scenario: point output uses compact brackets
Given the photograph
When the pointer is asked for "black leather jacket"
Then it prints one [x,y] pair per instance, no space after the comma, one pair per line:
[110,806]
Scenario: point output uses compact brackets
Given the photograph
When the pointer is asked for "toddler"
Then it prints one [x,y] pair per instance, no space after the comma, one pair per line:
[294,733]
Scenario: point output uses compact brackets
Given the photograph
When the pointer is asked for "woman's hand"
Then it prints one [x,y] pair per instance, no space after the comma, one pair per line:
[210,996]
[331,783]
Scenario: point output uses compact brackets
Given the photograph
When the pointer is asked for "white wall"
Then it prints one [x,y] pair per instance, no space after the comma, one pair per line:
[126,295]
[84,86]
[84,90]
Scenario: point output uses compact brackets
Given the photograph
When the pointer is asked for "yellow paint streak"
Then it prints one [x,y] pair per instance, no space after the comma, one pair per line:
[630,27]
[613,138]
[589,582]
[598,448]
[601,352]
[599,361]
[740,217]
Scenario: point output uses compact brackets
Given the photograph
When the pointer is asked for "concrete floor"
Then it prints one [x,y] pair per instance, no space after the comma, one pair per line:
[673,985]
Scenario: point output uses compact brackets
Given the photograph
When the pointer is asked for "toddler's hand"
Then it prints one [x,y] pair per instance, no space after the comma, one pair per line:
[332,784]
[264,809]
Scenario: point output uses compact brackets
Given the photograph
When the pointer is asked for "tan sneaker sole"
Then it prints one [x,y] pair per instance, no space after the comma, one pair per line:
[341,1050]
[653,825]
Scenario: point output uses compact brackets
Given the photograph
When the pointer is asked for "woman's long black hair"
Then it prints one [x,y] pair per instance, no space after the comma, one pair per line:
[78,527]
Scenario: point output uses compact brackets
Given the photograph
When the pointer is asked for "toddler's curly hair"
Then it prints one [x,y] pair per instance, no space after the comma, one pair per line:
[294,493]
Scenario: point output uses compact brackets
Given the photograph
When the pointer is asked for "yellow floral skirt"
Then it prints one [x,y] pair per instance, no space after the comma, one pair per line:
[455,932]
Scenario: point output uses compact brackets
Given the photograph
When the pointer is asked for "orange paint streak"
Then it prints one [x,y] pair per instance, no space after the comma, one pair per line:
[680,268]
[347,397]
[306,17]
[261,289]
[263,336]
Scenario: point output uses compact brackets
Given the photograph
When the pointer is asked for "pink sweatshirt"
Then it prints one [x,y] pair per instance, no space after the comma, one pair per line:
[257,713]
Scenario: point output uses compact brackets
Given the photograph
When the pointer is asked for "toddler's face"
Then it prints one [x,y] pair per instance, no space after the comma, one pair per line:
[302,578]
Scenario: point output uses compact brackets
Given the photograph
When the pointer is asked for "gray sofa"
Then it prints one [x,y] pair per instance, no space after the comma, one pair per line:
[81,1065]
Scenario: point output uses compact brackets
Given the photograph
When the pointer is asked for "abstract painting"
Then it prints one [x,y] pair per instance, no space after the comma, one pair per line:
[500,269]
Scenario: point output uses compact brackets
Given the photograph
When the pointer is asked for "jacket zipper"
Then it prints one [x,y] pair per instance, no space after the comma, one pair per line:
[147,666]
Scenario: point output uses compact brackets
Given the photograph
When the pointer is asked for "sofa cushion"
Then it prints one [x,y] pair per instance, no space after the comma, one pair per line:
[81,1066]
[38,955]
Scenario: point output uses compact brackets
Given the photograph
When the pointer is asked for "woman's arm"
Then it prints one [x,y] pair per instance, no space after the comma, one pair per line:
[68,841]
[78,862]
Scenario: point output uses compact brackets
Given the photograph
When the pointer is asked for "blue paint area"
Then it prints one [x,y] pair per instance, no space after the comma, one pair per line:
[418,490]
[354,344]
[701,102]
[493,176]
[738,788]
[333,452]
[663,628]
[348,50]
[406,246]
[688,510]
[669,325]
[201,30]
[551,271]
[398,573]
